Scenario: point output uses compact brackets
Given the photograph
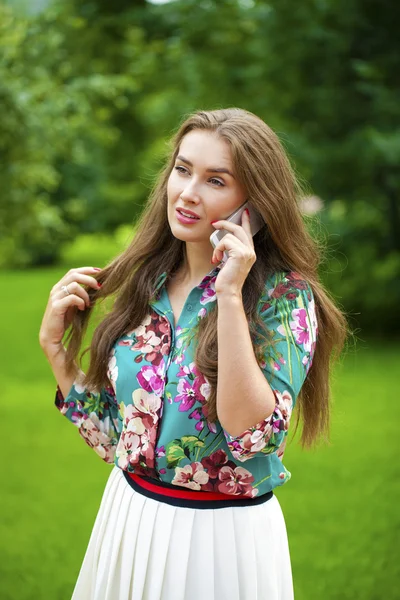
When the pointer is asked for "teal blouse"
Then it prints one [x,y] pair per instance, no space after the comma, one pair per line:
[152,420]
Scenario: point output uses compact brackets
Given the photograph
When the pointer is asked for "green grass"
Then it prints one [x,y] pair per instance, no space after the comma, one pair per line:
[340,507]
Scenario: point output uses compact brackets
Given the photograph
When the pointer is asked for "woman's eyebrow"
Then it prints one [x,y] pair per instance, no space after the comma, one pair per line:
[210,170]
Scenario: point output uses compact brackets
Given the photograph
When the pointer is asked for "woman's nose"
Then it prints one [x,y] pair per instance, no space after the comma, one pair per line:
[190,193]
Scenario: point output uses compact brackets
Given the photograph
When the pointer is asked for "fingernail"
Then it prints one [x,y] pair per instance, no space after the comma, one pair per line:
[246,210]
[212,222]
[99,284]
[96,269]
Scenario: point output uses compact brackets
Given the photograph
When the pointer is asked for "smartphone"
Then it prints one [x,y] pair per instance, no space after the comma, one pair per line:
[256,222]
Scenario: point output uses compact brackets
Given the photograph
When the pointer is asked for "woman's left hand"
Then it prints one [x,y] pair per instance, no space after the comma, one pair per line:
[238,243]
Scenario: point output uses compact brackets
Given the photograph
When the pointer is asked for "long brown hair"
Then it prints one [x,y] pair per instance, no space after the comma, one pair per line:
[284,243]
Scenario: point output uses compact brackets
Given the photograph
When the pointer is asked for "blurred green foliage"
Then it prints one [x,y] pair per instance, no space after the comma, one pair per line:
[90,91]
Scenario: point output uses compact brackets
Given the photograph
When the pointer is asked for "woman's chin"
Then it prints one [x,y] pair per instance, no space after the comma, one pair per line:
[186,235]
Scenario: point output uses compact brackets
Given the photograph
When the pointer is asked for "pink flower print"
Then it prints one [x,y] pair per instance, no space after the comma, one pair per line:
[99,441]
[280,290]
[163,325]
[179,359]
[283,407]
[209,295]
[205,389]
[192,476]
[128,449]
[163,471]
[147,450]
[112,371]
[153,338]
[202,313]
[297,280]
[190,388]
[294,275]
[300,328]
[77,417]
[291,296]
[281,361]
[208,285]
[146,403]
[211,426]
[151,378]
[187,371]
[214,462]
[148,342]
[196,414]
[313,319]
[160,451]
[186,396]
[236,482]
[125,343]
[138,439]
[281,450]
[266,305]
[141,330]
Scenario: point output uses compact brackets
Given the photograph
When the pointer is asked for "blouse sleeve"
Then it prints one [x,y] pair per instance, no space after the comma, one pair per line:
[287,309]
[95,415]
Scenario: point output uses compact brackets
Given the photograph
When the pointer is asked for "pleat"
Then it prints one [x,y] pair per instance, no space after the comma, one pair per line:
[111,563]
[245,553]
[283,566]
[129,547]
[200,572]
[265,544]
[176,567]
[84,587]
[160,548]
[109,547]
[143,548]
[225,556]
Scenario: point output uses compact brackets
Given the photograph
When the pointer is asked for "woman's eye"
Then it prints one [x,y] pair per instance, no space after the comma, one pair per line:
[213,180]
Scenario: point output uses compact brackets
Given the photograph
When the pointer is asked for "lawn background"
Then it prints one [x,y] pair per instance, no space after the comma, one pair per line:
[340,507]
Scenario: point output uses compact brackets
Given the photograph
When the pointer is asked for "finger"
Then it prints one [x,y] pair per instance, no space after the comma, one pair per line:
[60,305]
[231,242]
[82,279]
[240,232]
[73,274]
[86,269]
[74,290]
[228,242]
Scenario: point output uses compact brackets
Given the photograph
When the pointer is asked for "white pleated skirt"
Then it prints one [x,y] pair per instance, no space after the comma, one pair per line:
[144,549]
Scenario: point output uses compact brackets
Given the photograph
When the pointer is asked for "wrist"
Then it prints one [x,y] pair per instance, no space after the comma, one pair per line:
[230,295]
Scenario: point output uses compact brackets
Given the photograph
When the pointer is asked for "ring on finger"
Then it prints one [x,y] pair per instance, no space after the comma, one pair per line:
[65,289]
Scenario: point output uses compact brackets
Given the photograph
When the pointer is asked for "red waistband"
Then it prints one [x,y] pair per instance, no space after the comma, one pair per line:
[182,493]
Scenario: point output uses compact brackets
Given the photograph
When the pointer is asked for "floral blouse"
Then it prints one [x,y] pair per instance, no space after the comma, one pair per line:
[153,421]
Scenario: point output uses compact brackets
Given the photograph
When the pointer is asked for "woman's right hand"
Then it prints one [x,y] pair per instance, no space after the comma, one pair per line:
[61,308]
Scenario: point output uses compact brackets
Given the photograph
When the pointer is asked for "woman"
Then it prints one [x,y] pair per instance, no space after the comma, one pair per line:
[195,371]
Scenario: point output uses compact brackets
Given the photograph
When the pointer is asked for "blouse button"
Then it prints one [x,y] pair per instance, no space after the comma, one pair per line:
[189,307]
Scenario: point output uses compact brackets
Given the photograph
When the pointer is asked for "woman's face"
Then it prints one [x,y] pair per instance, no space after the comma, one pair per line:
[202,181]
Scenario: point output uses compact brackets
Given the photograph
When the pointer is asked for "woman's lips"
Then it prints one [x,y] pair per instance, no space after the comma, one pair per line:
[185,220]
